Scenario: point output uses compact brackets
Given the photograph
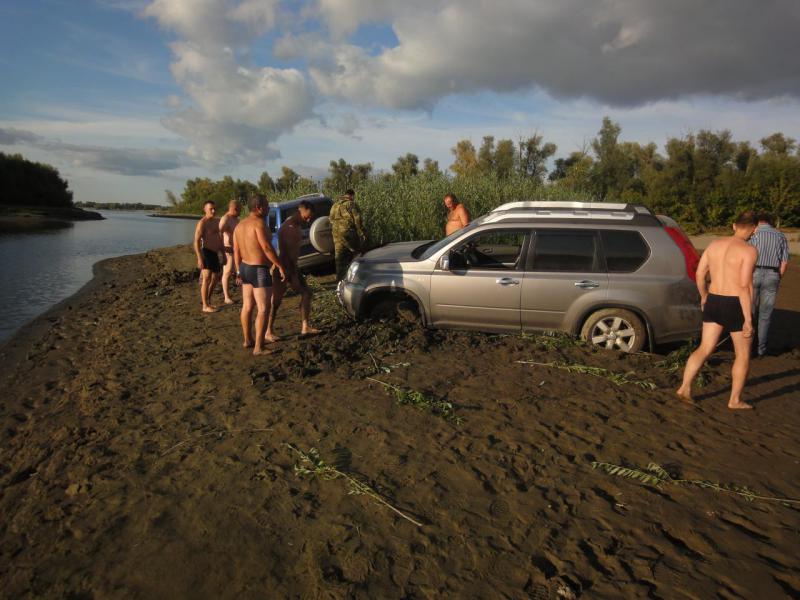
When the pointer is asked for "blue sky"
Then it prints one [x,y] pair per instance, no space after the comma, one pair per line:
[131,97]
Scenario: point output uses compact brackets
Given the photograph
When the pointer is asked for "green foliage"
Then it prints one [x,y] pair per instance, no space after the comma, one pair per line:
[656,475]
[406,166]
[119,205]
[409,397]
[675,362]
[26,183]
[615,378]
[312,465]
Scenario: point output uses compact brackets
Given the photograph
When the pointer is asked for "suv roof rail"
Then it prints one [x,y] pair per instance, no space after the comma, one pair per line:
[307,196]
[544,205]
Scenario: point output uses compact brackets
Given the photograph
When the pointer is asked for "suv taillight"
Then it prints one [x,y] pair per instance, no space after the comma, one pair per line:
[687,249]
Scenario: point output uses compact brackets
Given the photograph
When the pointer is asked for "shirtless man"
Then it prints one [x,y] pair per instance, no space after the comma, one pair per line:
[253,255]
[227,224]
[726,305]
[289,238]
[457,214]
[207,246]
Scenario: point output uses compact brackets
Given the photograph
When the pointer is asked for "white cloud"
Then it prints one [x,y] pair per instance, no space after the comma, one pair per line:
[122,161]
[238,109]
[621,52]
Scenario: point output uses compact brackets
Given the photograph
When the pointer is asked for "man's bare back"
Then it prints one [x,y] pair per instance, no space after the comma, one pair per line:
[249,236]
[726,305]
[729,261]
[227,225]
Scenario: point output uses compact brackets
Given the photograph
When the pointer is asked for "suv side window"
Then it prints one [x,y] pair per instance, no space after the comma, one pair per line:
[490,250]
[565,251]
[625,251]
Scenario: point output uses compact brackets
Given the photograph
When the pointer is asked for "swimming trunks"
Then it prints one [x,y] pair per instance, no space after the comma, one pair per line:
[725,311]
[255,275]
[211,261]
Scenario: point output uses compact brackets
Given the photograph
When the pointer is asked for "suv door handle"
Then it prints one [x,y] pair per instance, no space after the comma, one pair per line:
[507,281]
[586,284]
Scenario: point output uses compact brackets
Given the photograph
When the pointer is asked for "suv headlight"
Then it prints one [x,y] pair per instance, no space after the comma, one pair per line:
[351,272]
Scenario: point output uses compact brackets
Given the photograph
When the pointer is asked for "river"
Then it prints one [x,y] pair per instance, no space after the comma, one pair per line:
[43,268]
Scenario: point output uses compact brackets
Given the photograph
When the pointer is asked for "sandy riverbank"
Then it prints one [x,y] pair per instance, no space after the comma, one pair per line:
[142,456]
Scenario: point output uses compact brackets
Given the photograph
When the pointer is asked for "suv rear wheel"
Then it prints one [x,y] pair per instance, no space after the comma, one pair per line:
[615,329]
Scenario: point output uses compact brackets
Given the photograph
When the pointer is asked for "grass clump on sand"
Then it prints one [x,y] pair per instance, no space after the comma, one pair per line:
[312,465]
[675,361]
[615,378]
[553,340]
[656,475]
[440,408]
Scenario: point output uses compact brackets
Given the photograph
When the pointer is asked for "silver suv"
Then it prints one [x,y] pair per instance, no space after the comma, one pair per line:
[615,274]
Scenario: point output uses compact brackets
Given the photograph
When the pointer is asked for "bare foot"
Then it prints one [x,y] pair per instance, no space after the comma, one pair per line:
[310,331]
[261,352]
[229,301]
[271,338]
[247,344]
[685,396]
[740,406]
[209,309]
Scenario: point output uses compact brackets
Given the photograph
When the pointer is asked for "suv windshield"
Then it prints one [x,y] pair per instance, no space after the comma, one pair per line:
[429,249]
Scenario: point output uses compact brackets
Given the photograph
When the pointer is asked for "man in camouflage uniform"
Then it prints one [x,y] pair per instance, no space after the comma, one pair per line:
[348,232]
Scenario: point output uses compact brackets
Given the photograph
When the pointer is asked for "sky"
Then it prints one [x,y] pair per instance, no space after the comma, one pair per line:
[129,98]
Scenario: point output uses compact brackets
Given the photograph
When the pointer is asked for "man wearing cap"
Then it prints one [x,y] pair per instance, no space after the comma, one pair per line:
[348,232]
[773,258]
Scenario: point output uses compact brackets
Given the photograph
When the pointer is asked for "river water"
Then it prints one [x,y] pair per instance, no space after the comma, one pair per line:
[38,270]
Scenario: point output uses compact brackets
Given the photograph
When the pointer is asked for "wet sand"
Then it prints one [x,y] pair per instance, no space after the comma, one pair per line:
[143,456]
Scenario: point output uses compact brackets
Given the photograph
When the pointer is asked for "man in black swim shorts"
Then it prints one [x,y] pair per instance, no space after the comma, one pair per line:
[726,304]
[725,311]
[207,247]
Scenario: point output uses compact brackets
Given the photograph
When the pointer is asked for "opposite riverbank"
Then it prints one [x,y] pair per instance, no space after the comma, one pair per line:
[142,454]
[22,219]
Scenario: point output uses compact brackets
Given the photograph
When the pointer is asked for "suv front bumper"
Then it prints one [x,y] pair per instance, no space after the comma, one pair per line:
[350,295]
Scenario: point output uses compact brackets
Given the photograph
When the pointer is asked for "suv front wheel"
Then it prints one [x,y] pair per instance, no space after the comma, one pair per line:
[615,328]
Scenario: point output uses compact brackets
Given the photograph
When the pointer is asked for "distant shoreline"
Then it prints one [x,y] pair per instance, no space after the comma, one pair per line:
[175,216]
[21,219]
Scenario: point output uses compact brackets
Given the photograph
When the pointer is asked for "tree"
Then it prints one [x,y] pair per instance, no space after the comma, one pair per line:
[288,180]
[486,162]
[533,156]
[466,160]
[266,185]
[778,144]
[344,175]
[612,169]
[406,166]
[430,167]
[27,183]
[504,158]
[172,200]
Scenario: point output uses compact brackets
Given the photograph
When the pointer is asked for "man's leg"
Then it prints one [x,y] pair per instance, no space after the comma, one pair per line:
[708,343]
[305,307]
[205,281]
[344,256]
[757,280]
[741,364]
[247,311]
[262,296]
[768,293]
[213,281]
[278,290]
[226,278]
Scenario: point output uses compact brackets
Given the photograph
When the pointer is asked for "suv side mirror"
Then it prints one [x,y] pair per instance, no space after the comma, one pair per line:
[444,262]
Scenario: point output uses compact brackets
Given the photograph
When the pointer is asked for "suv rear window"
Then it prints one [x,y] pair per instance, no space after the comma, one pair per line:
[625,251]
[565,251]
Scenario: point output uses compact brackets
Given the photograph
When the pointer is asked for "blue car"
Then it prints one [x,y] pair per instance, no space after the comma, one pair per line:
[310,256]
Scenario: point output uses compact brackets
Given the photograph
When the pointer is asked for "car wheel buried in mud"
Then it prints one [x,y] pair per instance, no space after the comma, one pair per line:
[393,308]
[615,329]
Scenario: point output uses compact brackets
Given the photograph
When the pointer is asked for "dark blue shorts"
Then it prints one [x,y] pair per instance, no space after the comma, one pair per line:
[211,261]
[256,275]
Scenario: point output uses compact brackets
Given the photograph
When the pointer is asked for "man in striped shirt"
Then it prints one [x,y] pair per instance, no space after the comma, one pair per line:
[773,257]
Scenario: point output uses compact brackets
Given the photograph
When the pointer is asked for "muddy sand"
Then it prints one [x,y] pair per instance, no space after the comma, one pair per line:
[144,455]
